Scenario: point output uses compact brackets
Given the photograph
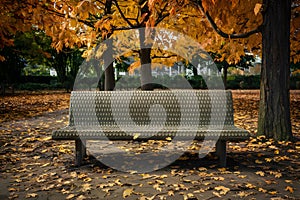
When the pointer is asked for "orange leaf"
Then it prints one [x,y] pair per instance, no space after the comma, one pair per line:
[290,189]
[257,8]
[133,66]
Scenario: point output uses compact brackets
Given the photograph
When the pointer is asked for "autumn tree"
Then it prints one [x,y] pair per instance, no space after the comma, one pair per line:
[145,15]
[11,21]
[274,112]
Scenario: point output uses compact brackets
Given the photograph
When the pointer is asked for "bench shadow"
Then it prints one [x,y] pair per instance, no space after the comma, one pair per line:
[241,161]
[187,161]
[246,161]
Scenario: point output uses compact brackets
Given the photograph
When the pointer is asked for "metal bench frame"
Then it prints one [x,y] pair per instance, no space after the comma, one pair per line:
[92,116]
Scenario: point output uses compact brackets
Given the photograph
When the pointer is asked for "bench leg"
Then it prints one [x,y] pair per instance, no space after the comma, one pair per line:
[84,148]
[80,151]
[221,152]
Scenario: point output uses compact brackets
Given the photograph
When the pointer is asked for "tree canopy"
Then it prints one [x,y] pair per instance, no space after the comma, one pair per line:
[231,27]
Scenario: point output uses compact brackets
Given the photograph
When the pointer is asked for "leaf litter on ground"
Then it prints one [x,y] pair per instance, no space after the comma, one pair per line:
[35,167]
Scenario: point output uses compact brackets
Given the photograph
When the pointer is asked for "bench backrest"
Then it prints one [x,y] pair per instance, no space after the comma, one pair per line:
[154,108]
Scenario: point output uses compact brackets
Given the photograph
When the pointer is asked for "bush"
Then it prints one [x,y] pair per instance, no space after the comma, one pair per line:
[39,86]
[32,86]
[295,82]
[197,82]
[37,79]
[243,82]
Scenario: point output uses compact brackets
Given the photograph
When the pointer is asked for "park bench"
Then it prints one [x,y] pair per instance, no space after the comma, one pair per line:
[155,115]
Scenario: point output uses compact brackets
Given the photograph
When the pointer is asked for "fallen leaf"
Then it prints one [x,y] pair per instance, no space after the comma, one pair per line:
[202,169]
[81,197]
[31,195]
[261,173]
[217,194]
[219,178]
[223,190]
[170,193]
[258,162]
[290,189]
[136,135]
[127,192]
[272,192]
[244,194]
[88,179]
[257,8]
[268,159]
[70,196]
[145,176]
[250,186]
[160,182]
[86,187]
[12,189]
[262,190]
[156,186]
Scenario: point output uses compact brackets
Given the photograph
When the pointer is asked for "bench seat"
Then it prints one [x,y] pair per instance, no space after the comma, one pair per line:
[228,133]
[151,115]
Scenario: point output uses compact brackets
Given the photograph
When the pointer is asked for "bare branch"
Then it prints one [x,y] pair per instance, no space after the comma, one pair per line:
[219,31]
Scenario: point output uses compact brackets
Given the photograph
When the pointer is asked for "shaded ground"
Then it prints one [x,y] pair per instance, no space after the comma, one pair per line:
[35,167]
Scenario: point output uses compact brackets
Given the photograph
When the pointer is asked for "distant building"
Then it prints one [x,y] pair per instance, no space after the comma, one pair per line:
[255,70]
[53,72]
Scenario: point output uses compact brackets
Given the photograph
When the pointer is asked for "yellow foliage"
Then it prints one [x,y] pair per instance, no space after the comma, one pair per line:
[85,23]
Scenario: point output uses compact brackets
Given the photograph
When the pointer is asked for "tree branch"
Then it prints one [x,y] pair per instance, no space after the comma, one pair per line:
[103,4]
[122,15]
[88,23]
[165,57]
[137,18]
[161,16]
[121,28]
[219,31]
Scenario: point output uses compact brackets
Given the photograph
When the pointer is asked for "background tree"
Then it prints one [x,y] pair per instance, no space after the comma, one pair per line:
[222,64]
[10,68]
[35,48]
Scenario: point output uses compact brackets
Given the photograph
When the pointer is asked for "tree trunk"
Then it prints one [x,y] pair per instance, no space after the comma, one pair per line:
[225,67]
[109,78]
[109,81]
[274,109]
[60,67]
[195,70]
[145,58]
[3,88]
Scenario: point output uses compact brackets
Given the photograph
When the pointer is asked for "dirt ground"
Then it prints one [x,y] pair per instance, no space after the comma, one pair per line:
[33,166]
